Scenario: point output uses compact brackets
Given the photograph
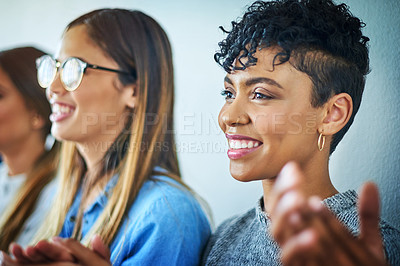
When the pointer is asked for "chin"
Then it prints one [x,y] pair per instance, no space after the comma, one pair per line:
[243,176]
[248,174]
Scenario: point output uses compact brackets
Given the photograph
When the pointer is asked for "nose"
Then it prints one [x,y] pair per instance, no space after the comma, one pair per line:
[56,87]
[234,114]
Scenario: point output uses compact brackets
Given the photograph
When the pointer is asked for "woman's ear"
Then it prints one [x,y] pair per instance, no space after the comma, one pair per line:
[338,112]
[130,95]
[37,121]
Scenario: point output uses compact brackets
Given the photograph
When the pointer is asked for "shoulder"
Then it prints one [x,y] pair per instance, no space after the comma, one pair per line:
[391,242]
[231,228]
[228,232]
[41,209]
[344,206]
[236,223]
[165,225]
[162,195]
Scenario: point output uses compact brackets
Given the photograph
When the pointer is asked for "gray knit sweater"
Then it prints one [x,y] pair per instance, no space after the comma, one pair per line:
[245,239]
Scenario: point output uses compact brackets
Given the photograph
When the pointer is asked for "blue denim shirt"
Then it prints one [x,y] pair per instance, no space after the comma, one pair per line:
[164,226]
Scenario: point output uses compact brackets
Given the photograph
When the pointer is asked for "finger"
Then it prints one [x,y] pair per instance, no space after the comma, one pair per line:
[289,178]
[84,255]
[19,254]
[326,250]
[54,251]
[6,260]
[309,247]
[368,208]
[289,216]
[295,247]
[346,245]
[100,248]
[35,255]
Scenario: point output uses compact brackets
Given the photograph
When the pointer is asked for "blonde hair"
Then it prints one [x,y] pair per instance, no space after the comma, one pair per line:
[19,64]
[140,46]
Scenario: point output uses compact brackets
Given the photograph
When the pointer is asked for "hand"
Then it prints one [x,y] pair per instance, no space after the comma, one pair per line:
[99,254]
[59,252]
[309,234]
[44,252]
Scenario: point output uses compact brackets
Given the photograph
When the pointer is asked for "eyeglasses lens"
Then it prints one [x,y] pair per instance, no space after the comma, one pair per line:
[72,73]
[46,70]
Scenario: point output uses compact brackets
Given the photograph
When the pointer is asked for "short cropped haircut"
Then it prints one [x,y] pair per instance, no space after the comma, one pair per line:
[322,39]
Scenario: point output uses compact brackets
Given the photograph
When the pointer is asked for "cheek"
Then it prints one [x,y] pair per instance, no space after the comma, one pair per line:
[285,124]
[14,120]
[270,124]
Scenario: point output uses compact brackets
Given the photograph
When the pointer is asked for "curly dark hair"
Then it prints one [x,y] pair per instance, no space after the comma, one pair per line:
[323,39]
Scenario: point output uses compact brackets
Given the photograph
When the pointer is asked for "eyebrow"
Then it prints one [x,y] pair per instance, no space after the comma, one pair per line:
[256,80]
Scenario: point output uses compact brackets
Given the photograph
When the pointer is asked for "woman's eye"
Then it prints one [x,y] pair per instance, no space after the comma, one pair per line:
[261,96]
[227,94]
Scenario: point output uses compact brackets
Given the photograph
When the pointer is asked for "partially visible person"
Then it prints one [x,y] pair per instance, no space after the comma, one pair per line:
[29,153]
[295,77]
[120,176]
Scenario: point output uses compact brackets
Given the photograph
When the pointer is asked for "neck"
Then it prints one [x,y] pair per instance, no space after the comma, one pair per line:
[317,181]
[21,157]
[93,153]
[94,148]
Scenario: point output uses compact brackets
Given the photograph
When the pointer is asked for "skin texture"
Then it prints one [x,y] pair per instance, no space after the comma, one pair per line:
[272,104]
[60,252]
[20,129]
[99,104]
[309,233]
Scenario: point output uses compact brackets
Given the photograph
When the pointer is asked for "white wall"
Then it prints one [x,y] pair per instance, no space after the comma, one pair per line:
[370,151]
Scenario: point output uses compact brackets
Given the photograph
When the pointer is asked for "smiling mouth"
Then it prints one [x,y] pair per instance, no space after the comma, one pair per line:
[240,146]
[243,144]
[60,112]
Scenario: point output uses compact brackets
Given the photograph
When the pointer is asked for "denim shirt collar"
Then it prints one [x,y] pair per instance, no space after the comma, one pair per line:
[102,199]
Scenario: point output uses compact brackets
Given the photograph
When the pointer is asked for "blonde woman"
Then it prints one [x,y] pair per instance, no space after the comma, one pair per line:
[120,177]
[29,164]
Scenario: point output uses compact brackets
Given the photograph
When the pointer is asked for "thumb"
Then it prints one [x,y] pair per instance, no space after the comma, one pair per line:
[100,248]
[368,208]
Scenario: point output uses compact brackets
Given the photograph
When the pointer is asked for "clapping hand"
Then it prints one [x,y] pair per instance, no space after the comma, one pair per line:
[60,252]
[310,234]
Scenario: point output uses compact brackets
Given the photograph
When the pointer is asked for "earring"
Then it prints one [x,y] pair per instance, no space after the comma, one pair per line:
[321,142]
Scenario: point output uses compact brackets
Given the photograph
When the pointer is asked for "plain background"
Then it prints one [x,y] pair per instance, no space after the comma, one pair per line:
[370,150]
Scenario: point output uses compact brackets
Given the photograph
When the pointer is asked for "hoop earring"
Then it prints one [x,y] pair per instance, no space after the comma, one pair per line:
[321,142]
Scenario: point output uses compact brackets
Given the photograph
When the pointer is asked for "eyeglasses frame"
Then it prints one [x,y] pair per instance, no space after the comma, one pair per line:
[84,65]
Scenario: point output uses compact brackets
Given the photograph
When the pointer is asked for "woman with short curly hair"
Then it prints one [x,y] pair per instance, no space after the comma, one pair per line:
[295,76]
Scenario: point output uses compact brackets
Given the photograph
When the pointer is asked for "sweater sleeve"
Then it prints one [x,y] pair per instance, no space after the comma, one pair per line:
[391,243]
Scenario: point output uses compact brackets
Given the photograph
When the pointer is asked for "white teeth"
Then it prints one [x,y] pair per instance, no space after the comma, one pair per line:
[61,109]
[244,144]
[250,145]
[237,144]
[56,108]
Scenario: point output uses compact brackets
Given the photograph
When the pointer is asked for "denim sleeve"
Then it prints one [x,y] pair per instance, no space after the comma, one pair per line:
[173,231]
